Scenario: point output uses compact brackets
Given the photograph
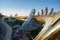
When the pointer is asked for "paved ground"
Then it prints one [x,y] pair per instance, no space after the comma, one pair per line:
[5,31]
[2,31]
[9,32]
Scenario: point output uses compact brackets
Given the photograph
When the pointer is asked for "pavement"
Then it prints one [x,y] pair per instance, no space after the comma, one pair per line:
[2,31]
[6,31]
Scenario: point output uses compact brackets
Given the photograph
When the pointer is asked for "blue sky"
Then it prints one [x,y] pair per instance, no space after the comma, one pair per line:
[23,7]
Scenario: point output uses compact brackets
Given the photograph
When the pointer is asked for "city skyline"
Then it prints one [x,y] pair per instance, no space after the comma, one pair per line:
[24,7]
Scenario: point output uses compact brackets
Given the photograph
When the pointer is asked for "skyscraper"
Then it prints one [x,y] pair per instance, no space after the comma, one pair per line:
[38,14]
[42,12]
[45,11]
[51,11]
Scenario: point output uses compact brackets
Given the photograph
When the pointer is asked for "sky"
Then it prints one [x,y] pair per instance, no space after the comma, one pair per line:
[24,7]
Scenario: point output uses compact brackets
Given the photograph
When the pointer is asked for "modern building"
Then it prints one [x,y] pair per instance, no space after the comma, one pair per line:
[41,13]
[45,11]
[51,11]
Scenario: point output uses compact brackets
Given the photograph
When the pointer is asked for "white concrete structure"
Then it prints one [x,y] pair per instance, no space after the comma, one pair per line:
[24,25]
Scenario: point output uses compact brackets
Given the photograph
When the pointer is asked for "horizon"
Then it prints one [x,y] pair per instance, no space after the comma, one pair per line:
[24,7]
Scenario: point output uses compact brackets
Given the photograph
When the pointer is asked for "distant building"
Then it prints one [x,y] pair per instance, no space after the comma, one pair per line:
[38,14]
[45,11]
[1,17]
[51,11]
[16,14]
[11,19]
[41,13]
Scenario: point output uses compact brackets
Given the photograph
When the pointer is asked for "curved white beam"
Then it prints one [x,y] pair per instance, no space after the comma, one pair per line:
[8,32]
